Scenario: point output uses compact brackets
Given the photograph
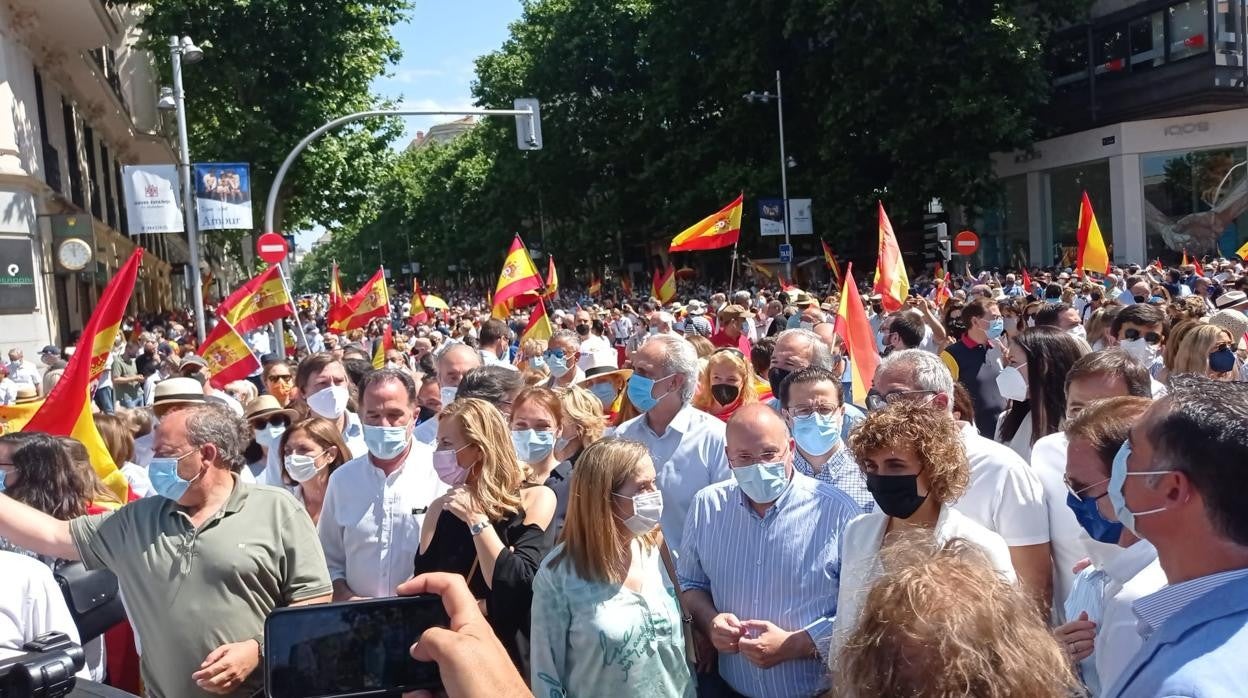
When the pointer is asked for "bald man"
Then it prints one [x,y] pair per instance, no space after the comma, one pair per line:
[760,563]
[455,360]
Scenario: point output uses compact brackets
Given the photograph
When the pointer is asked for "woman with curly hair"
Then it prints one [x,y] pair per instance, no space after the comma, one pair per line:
[942,623]
[916,468]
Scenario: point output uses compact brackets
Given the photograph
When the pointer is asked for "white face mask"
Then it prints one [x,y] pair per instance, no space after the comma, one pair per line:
[448,395]
[269,435]
[1012,384]
[302,468]
[1078,331]
[1140,350]
[329,402]
[647,510]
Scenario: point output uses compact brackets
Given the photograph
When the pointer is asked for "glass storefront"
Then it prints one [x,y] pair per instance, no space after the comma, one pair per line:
[1066,186]
[1004,242]
[1195,201]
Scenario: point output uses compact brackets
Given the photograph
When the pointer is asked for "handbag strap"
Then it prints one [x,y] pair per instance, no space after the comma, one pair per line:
[670,565]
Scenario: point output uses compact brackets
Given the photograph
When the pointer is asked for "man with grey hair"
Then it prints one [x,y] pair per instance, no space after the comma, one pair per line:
[452,365]
[229,550]
[563,359]
[686,444]
[1004,495]
[497,385]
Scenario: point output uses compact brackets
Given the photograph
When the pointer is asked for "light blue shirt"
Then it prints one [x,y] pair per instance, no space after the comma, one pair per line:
[842,473]
[601,640]
[782,567]
[1087,592]
[690,455]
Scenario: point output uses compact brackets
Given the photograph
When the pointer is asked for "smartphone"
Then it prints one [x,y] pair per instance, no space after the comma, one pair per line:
[353,648]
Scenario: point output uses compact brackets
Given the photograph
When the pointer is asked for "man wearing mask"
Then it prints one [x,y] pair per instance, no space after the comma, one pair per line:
[456,360]
[760,563]
[732,332]
[494,344]
[127,381]
[1141,331]
[976,361]
[686,444]
[814,411]
[1178,482]
[22,371]
[563,359]
[375,504]
[202,504]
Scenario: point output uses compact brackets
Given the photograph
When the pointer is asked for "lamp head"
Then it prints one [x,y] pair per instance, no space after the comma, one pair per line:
[190,52]
[166,101]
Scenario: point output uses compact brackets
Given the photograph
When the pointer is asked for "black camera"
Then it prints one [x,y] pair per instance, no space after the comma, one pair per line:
[45,670]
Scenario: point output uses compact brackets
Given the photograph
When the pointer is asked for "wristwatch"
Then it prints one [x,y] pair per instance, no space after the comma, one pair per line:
[478,527]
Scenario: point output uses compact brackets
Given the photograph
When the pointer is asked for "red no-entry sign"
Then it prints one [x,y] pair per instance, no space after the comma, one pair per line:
[966,243]
[272,248]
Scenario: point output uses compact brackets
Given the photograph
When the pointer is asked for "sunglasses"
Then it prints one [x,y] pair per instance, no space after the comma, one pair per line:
[283,378]
[276,421]
[1150,337]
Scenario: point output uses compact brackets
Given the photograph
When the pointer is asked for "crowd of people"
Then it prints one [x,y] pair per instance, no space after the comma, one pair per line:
[1042,493]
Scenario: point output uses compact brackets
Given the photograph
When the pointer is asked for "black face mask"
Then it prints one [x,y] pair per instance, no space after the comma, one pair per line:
[425,415]
[775,377]
[896,495]
[725,394]
[582,329]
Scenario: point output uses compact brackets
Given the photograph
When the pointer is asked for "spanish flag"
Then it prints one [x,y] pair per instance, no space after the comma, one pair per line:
[1242,252]
[227,355]
[385,344]
[518,277]
[371,301]
[830,260]
[891,281]
[67,409]
[761,269]
[664,285]
[855,329]
[14,417]
[595,285]
[418,313]
[1027,287]
[539,325]
[720,229]
[258,302]
[339,311]
[552,279]
[1092,253]
[626,283]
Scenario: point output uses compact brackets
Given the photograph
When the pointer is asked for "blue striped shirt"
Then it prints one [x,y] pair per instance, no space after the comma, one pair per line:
[1157,608]
[782,567]
[841,472]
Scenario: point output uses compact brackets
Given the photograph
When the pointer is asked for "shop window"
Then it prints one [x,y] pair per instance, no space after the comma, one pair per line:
[1189,29]
[1070,61]
[1229,15]
[1148,41]
[1066,188]
[1195,201]
[1004,239]
[1111,53]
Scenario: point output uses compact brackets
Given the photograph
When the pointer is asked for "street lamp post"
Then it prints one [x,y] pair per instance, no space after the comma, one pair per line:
[766,98]
[185,50]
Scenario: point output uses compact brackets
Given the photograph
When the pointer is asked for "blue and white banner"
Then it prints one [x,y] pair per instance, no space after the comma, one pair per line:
[223,195]
[151,193]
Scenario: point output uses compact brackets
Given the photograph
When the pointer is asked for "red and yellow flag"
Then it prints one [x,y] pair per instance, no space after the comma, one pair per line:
[626,283]
[595,285]
[786,285]
[518,277]
[855,329]
[227,355]
[891,281]
[1027,287]
[67,409]
[339,311]
[720,229]
[258,302]
[830,260]
[761,269]
[552,278]
[385,344]
[663,287]
[371,301]
[418,313]
[15,417]
[539,324]
[1092,254]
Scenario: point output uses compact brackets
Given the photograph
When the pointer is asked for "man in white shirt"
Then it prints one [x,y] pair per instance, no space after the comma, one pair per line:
[1004,495]
[22,371]
[493,342]
[686,444]
[452,364]
[31,604]
[259,341]
[375,504]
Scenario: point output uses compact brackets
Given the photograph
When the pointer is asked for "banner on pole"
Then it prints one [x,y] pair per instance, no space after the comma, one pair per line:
[151,193]
[770,217]
[800,222]
[223,195]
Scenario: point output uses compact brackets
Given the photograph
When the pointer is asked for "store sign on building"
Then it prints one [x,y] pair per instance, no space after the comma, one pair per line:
[1187,128]
[17,276]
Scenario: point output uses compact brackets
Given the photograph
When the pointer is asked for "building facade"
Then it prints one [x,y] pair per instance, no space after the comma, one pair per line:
[1151,101]
[80,102]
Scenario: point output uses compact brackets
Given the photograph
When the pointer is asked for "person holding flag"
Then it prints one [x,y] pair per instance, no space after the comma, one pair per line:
[518,282]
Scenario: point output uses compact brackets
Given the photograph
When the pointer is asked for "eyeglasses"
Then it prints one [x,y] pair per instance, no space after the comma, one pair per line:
[285,378]
[877,401]
[1078,494]
[730,350]
[822,410]
[1134,334]
[553,354]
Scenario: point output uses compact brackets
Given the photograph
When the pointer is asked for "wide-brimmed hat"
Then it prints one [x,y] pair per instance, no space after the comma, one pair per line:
[618,378]
[266,406]
[1230,299]
[26,393]
[1232,321]
[697,307]
[801,298]
[177,391]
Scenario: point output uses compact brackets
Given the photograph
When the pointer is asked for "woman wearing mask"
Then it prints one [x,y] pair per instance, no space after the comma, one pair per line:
[725,384]
[1207,350]
[536,417]
[491,527]
[582,426]
[916,468]
[311,451]
[279,382]
[606,592]
[1034,381]
[268,423]
[322,382]
[609,388]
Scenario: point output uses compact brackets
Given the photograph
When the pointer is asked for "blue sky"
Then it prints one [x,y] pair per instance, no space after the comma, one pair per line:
[441,40]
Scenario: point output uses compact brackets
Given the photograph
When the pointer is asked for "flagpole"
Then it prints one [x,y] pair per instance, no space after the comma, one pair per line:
[295,310]
[732,271]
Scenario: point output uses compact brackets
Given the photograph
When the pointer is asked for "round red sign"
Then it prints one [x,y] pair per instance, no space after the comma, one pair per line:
[966,243]
[272,248]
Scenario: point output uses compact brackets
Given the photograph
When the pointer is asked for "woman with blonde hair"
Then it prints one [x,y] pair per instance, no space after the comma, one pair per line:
[610,577]
[243,391]
[725,384]
[311,450]
[535,421]
[701,345]
[532,363]
[916,468]
[1207,350]
[491,526]
[942,623]
[118,439]
[582,425]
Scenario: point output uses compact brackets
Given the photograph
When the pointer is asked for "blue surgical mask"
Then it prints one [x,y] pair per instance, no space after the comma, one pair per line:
[995,328]
[1089,517]
[605,392]
[532,446]
[385,443]
[1117,477]
[817,434]
[558,366]
[1221,361]
[763,483]
[537,363]
[165,479]
[4,476]
[639,392]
